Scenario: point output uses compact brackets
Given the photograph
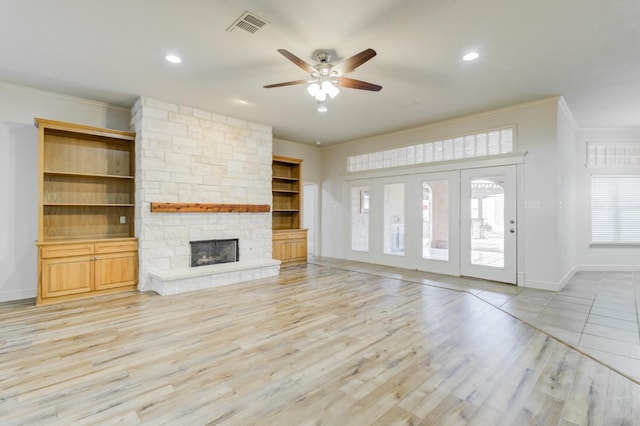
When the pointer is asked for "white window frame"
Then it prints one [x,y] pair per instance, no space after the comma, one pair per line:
[613,154]
[476,145]
[605,186]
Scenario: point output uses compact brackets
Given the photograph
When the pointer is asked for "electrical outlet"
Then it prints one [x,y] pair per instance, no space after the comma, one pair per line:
[123,219]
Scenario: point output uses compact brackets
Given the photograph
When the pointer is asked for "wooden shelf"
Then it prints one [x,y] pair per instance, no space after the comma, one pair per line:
[57,173]
[286,201]
[87,205]
[85,238]
[86,187]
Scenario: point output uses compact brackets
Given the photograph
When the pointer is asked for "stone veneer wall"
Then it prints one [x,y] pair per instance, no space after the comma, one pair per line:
[184,154]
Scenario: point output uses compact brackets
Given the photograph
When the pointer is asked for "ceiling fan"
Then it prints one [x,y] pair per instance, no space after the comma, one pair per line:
[325,76]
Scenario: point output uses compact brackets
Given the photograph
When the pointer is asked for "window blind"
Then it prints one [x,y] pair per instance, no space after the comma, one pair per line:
[615,209]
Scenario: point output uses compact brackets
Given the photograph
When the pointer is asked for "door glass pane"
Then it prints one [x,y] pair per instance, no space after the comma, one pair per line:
[360,218]
[394,219]
[435,220]
[487,221]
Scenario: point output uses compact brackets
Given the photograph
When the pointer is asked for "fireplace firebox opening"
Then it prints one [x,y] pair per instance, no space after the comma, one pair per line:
[211,252]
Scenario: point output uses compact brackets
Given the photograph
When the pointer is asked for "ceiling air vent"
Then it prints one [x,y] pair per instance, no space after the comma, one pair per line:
[248,22]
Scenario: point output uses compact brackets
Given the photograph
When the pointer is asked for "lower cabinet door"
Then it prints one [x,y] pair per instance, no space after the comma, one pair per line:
[67,275]
[281,250]
[116,270]
[298,250]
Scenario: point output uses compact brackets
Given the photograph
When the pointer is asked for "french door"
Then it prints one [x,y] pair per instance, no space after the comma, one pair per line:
[488,226]
[439,204]
[460,222]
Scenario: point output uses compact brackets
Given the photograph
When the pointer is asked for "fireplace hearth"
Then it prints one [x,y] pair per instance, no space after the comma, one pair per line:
[211,252]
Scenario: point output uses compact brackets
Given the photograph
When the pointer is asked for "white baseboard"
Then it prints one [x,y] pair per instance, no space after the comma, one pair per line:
[541,285]
[608,268]
[567,277]
[10,296]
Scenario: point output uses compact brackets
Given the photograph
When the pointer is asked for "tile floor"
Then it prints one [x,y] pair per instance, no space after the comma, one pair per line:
[596,313]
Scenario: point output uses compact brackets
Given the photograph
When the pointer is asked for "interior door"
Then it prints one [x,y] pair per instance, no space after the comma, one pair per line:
[488,223]
[309,200]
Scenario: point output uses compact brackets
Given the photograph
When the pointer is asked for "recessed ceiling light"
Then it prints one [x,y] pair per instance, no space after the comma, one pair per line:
[318,143]
[471,56]
[243,101]
[173,59]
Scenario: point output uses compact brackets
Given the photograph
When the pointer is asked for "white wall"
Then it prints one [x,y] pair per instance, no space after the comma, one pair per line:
[566,192]
[537,134]
[600,258]
[311,165]
[19,169]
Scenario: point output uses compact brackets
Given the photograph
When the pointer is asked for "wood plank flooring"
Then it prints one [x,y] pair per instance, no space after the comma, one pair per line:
[317,345]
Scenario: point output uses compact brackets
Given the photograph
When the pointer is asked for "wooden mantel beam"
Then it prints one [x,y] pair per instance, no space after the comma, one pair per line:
[209,208]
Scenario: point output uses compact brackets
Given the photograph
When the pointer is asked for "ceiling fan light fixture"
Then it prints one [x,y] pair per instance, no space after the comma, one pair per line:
[330,89]
[325,79]
[314,89]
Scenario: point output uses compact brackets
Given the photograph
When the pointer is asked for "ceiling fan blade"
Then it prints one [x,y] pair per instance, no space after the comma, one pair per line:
[299,62]
[354,62]
[286,83]
[352,83]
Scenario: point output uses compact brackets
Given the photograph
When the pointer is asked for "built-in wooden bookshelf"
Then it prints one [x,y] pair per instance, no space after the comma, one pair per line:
[286,187]
[86,182]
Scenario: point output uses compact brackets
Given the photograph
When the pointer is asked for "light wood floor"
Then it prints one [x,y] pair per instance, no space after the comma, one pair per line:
[596,312]
[317,345]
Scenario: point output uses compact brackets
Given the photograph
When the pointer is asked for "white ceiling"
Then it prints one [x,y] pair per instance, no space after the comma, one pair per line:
[113,51]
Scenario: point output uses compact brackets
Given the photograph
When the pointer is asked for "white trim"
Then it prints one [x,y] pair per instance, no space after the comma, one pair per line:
[608,268]
[65,97]
[542,285]
[614,245]
[12,296]
[441,166]
[567,277]
[562,105]
[297,144]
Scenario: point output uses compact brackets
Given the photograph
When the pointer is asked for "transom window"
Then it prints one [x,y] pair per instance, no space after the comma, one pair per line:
[470,146]
[613,154]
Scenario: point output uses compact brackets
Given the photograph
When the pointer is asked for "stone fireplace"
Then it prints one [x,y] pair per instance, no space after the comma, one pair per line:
[187,155]
[212,252]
